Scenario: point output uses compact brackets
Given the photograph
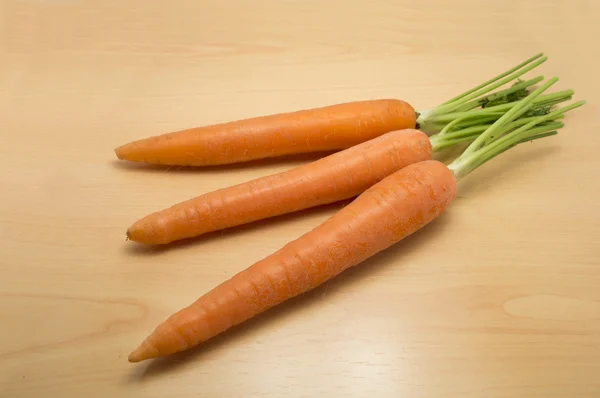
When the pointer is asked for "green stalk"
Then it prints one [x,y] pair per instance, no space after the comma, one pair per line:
[509,116]
[525,130]
[433,120]
[442,141]
[481,150]
[465,118]
[468,131]
[471,135]
[494,118]
[486,89]
[510,126]
[478,120]
[494,79]
[542,100]
[549,102]
[516,90]
[439,142]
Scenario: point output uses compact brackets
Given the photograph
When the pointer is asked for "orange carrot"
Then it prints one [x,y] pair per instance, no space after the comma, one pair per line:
[326,128]
[322,129]
[392,209]
[397,206]
[339,176]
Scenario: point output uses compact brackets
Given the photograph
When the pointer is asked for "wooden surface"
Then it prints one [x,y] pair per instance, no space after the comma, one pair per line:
[498,298]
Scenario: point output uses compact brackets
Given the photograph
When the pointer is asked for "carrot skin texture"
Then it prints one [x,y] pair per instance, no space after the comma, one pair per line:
[326,128]
[384,214]
[337,177]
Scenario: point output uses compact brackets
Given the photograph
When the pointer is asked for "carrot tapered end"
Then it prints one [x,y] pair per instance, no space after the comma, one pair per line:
[135,151]
[138,233]
[142,353]
[122,152]
[154,229]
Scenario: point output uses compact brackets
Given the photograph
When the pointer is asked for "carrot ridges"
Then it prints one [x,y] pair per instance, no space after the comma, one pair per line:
[337,177]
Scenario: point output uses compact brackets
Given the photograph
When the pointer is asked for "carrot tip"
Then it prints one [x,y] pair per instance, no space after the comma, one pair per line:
[139,354]
[119,152]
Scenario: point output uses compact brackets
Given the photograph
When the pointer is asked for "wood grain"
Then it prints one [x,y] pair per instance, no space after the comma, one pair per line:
[498,298]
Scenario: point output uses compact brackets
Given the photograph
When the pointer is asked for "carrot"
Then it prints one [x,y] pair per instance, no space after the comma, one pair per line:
[392,209]
[340,176]
[314,130]
[326,128]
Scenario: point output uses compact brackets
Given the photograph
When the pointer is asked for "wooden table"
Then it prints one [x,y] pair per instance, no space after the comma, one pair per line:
[498,298]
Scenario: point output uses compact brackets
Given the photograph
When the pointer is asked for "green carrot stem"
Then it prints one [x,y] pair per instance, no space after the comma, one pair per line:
[487,156]
[477,120]
[509,116]
[517,123]
[536,137]
[542,100]
[494,119]
[472,137]
[480,151]
[504,149]
[432,120]
[439,141]
[493,80]
[551,102]
[484,90]
[466,117]
[507,93]
[526,129]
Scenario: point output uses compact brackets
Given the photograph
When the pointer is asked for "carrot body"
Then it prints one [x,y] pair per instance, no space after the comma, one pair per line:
[320,129]
[339,176]
[387,212]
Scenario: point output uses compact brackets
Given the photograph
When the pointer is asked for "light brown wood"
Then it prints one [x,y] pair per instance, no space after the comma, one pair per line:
[498,298]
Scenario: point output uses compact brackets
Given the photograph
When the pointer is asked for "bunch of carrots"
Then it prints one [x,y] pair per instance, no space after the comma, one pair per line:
[383,159]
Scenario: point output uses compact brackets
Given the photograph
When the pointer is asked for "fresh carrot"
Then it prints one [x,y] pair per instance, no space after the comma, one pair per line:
[313,130]
[394,208]
[339,176]
[326,128]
